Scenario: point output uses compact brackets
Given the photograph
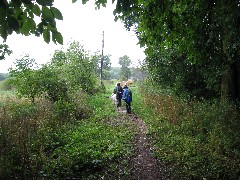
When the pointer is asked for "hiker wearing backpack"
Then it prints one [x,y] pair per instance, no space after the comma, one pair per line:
[118,90]
[127,97]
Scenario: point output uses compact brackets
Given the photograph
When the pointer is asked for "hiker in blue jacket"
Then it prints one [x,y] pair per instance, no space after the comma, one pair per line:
[127,97]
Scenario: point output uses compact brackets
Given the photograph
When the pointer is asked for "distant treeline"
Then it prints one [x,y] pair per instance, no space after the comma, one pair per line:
[3,76]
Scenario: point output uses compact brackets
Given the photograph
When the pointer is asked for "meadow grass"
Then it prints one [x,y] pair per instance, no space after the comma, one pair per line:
[198,139]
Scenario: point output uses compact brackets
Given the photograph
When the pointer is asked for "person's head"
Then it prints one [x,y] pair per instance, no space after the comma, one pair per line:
[118,84]
[125,86]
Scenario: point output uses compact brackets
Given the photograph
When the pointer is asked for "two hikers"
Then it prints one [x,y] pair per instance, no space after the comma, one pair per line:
[123,94]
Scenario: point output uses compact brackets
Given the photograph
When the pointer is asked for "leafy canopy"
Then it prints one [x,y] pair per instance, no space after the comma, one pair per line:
[20,17]
[190,34]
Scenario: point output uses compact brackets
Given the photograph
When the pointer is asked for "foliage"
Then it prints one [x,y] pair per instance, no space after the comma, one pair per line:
[184,78]
[66,73]
[79,138]
[79,71]
[105,144]
[196,139]
[51,84]
[30,82]
[19,17]
[24,78]
[17,129]
[6,85]
[200,35]
[31,17]
[4,49]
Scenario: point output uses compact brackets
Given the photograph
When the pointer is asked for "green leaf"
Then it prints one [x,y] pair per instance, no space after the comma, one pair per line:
[27,1]
[84,1]
[57,14]
[36,10]
[31,24]
[51,28]
[53,23]
[13,23]
[58,37]
[73,1]
[25,29]
[40,27]
[2,15]
[16,3]
[3,30]
[45,2]
[47,14]
[46,35]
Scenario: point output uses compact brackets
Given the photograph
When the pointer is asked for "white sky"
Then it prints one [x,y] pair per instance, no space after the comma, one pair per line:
[84,24]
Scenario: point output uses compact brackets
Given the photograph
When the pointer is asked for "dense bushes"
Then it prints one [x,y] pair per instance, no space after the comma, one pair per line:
[200,139]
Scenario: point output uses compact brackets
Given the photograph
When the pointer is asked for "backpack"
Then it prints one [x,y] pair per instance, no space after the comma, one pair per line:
[129,96]
[118,92]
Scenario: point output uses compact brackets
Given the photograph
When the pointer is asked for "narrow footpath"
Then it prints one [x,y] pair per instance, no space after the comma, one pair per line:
[144,164]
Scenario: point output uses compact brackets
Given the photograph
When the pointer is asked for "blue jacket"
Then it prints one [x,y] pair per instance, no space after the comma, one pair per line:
[124,97]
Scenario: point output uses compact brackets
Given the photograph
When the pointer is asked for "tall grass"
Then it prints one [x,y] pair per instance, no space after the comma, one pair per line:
[199,139]
[19,125]
[81,138]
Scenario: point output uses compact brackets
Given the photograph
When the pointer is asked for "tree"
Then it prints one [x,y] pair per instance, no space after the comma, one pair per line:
[24,78]
[67,72]
[59,58]
[31,81]
[51,84]
[201,33]
[96,58]
[80,68]
[125,71]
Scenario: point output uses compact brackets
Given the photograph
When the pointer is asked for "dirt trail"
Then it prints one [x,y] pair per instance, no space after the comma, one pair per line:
[144,165]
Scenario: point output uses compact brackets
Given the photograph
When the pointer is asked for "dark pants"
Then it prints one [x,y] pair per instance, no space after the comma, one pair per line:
[128,107]
[119,103]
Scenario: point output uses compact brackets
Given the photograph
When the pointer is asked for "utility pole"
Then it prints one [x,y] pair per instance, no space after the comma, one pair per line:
[101,73]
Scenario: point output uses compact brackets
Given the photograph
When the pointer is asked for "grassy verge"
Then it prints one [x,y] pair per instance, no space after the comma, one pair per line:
[198,139]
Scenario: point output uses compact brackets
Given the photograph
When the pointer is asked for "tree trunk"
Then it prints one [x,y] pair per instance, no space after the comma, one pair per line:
[230,84]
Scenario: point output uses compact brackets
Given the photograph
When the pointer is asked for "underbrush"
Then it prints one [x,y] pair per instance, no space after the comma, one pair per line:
[199,140]
[81,138]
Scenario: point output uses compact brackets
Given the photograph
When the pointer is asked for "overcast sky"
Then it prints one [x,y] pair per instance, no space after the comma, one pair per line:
[84,24]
